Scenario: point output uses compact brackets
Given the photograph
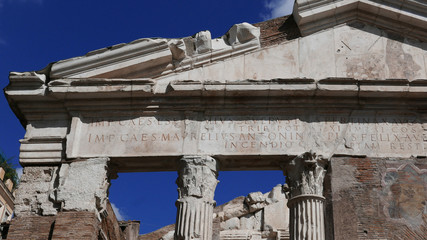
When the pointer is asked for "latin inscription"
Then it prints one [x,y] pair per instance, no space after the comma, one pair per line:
[131,136]
[272,135]
[232,134]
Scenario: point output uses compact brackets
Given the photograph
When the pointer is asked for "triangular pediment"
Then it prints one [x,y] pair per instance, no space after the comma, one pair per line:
[354,56]
[154,57]
[157,58]
[406,17]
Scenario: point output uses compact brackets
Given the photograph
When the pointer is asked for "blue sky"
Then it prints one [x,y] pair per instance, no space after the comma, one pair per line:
[34,33]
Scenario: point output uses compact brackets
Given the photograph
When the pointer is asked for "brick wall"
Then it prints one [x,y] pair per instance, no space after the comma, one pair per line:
[110,227]
[379,198]
[76,225]
[31,227]
[278,30]
[66,225]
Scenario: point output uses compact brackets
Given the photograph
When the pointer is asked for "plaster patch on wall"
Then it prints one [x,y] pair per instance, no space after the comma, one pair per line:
[400,63]
[405,195]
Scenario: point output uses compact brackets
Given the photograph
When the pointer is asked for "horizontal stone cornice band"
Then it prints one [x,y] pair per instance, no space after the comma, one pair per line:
[64,89]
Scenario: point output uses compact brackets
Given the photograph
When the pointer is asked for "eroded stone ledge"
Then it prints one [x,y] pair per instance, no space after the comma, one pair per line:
[97,88]
[153,56]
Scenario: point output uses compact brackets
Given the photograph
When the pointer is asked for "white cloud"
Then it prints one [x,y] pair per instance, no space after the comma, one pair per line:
[18,170]
[119,214]
[278,8]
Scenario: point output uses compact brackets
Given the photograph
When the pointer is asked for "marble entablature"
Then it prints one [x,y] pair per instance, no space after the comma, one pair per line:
[370,133]
[353,84]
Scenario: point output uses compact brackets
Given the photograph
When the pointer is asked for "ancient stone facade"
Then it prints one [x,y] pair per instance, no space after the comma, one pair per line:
[306,174]
[256,216]
[197,180]
[334,96]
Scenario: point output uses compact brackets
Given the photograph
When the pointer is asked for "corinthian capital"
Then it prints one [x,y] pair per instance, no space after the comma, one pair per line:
[197,177]
[305,174]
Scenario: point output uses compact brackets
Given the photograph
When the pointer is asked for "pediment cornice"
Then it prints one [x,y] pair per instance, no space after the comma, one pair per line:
[408,18]
[155,57]
[148,69]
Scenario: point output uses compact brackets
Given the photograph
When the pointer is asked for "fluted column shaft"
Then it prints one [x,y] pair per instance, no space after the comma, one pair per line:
[194,220]
[197,180]
[304,176]
[307,217]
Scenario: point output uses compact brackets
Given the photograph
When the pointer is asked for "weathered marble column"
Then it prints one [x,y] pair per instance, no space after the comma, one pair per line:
[197,180]
[304,176]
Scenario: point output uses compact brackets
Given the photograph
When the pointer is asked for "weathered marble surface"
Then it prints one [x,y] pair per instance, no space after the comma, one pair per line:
[405,17]
[76,186]
[362,60]
[305,176]
[357,50]
[371,133]
[197,180]
[355,84]
[159,56]
[239,219]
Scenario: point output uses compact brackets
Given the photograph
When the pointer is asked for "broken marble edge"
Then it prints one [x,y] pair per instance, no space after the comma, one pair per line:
[178,54]
[33,84]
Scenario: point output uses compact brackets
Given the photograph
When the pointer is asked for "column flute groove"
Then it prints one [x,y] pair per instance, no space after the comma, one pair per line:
[304,176]
[197,180]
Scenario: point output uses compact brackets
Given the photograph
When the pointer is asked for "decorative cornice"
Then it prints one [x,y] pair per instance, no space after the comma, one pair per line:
[146,53]
[41,150]
[332,87]
[408,18]
[26,84]
[57,98]
[32,99]
[151,57]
